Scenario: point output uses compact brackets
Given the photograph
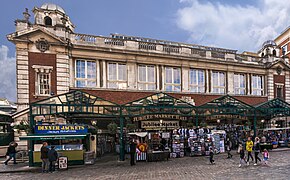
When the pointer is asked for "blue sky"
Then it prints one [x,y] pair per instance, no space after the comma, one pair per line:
[236,24]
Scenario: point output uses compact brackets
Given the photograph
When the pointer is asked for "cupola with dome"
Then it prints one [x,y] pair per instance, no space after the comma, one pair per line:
[52,15]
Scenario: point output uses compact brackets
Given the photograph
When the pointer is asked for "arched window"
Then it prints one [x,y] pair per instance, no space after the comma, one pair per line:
[274,52]
[262,55]
[47,21]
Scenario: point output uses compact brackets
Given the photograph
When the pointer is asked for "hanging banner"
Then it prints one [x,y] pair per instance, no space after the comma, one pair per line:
[60,129]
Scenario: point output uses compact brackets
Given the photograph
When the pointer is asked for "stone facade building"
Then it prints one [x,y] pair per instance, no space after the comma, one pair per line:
[53,59]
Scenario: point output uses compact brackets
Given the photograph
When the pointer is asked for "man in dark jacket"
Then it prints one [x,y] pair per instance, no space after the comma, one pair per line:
[11,152]
[52,157]
[44,157]
[133,146]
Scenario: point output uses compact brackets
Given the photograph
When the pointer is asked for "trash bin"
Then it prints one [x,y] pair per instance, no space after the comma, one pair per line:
[62,162]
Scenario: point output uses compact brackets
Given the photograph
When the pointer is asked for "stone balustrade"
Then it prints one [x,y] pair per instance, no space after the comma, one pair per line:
[162,48]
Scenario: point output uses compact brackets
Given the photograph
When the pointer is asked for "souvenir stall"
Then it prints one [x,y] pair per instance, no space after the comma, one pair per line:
[158,149]
[142,146]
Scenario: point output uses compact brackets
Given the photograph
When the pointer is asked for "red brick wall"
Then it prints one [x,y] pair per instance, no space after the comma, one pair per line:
[281,80]
[280,45]
[123,97]
[44,60]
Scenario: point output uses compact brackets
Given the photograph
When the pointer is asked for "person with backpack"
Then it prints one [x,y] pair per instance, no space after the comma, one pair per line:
[11,152]
[52,157]
[241,151]
[257,150]
[229,148]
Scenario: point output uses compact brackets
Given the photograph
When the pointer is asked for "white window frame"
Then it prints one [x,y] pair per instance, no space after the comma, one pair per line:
[200,88]
[256,89]
[237,79]
[172,84]
[40,85]
[284,48]
[120,83]
[221,89]
[86,79]
[147,83]
[40,70]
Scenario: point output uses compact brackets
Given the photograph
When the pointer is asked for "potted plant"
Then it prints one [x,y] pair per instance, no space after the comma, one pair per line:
[112,128]
[22,128]
[130,127]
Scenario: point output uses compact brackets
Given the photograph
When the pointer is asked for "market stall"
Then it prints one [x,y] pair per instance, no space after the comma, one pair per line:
[70,141]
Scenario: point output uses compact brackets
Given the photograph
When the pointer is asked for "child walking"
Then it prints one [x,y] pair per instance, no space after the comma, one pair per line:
[242,155]
[266,156]
[211,160]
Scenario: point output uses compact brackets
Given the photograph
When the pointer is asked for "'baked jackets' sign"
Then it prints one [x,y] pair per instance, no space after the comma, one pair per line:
[60,129]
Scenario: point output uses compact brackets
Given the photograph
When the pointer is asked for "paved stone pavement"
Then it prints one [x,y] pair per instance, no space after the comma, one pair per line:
[182,168]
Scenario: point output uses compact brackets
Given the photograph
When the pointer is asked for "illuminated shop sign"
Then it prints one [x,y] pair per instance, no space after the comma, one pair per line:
[159,116]
[226,116]
[60,129]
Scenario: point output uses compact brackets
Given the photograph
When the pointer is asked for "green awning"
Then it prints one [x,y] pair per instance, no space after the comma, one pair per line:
[52,137]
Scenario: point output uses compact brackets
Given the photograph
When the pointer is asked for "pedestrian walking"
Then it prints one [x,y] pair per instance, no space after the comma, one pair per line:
[257,150]
[133,146]
[241,151]
[44,157]
[229,148]
[52,157]
[211,153]
[266,156]
[249,148]
[11,152]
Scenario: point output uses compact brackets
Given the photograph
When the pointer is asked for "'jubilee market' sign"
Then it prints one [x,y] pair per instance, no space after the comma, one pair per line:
[159,116]
[60,129]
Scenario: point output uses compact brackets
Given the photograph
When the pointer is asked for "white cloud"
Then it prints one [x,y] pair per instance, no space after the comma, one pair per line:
[7,75]
[233,26]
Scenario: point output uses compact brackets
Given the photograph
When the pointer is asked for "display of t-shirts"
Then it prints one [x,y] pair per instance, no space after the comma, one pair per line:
[191,132]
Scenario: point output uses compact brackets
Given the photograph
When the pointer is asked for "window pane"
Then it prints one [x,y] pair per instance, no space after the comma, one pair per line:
[151,87]
[215,79]
[142,73]
[221,79]
[176,75]
[177,88]
[91,84]
[150,73]
[112,85]
[201,77]
[192,77]
[168,75]
[122,72]
[80,69]
[112,71]
[168,88]
[80,83]
[91,69]
[242,81]
[142,86]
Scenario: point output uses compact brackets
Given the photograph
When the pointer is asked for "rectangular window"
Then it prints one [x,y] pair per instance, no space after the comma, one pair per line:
[257,85]
[172,79]
[218,82]
[284,49]
[117,75]
[196,81]
[43,82]
[240,84]
[146,77]
[85,73]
